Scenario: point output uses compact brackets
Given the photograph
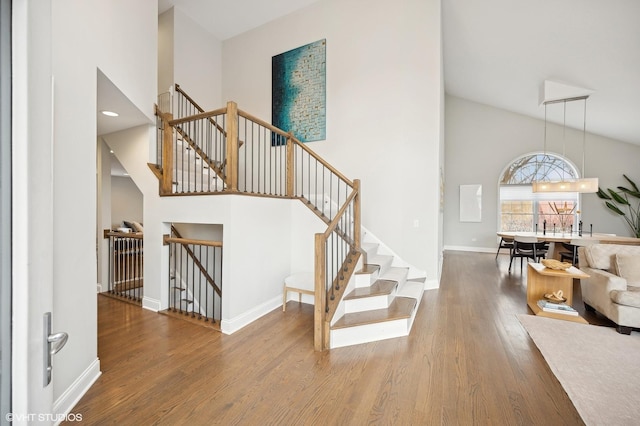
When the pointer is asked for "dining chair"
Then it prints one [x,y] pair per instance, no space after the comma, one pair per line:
[528,247]
[572,246]
[505,242]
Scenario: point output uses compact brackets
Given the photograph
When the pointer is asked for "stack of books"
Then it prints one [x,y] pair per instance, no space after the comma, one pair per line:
[557,308]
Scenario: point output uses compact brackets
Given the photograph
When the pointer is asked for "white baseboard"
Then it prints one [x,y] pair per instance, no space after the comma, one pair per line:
[232,325]
[70,397]
[431,284]
[468,248]
[99,288]
[151,304]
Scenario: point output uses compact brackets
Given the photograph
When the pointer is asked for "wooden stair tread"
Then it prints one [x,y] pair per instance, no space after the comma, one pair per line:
[368,269]
[378,288]
[400,308]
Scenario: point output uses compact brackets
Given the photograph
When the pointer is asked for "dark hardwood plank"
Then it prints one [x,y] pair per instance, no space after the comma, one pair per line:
[467,361]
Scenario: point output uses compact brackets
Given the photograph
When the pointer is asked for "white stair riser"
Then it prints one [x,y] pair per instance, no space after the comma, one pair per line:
[369,333]
[368,303]
[365,280]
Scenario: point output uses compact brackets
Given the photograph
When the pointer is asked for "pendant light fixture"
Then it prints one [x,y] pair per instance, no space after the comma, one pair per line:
[553,92]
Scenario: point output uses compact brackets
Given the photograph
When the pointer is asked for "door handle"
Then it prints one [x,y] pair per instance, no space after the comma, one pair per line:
[59,338]
[53,343]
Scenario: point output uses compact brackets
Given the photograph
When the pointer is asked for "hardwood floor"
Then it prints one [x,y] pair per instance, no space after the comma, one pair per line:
[468,361]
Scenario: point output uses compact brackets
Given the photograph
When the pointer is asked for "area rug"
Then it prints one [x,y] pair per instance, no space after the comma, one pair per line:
[598,368]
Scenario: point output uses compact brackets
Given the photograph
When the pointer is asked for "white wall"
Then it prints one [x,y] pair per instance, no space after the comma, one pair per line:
[165,51]
[196,61]
[104,211]
[126,201]
[264,239]
[383,107]
[88,35]
[481,141]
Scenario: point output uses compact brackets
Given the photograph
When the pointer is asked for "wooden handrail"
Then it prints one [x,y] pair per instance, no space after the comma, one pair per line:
[196,148]
[262,123]
[338,217]
[199,108]
[323,162]
[109,233]
[185,244]
[200,116]
[168,239]
[297,142]
[183,93]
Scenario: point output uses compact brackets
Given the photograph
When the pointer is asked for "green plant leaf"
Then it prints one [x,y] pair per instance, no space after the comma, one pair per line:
[629,191]
[602,194]
[632,183]
[614,208]
[617,198]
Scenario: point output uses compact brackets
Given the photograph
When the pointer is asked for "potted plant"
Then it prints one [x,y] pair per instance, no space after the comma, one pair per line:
[627,199]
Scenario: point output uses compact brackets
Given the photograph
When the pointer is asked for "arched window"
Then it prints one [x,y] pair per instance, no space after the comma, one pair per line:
[523,210]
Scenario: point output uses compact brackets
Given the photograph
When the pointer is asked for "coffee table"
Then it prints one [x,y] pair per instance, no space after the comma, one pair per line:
[541,280]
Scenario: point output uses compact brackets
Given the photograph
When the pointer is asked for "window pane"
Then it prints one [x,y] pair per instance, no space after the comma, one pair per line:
[521,209]
[517,215]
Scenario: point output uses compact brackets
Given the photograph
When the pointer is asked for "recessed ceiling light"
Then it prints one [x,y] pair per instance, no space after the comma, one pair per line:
[110,113]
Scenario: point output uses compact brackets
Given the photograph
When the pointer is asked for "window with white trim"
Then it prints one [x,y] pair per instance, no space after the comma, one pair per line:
[523,210]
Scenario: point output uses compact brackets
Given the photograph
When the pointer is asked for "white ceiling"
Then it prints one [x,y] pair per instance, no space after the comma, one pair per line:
[499,52]
[228,18]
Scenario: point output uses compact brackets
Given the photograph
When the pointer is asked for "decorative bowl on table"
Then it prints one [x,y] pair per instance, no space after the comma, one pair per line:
[556,264]
[555,297]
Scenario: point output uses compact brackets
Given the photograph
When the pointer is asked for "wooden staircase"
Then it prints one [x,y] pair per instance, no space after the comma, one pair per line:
[380,301]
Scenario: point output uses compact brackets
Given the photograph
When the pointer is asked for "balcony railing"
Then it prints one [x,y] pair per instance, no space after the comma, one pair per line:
[125,277]
[195,274]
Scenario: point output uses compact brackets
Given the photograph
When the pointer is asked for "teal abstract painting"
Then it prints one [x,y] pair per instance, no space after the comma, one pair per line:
[298,92]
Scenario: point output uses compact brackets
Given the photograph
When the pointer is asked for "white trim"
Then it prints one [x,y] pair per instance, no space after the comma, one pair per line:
[469,248]
[232,325]
[151,304]
[70,397]
[431,285]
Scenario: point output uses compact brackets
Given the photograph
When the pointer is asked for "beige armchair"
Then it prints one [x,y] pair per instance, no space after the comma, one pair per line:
[613,288]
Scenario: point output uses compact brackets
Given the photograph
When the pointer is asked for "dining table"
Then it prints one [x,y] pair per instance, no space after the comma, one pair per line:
[566,237]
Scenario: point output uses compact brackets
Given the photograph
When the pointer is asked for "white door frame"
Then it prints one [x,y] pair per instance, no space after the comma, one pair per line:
[32,206]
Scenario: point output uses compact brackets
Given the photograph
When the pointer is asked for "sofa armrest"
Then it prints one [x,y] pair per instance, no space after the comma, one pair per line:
[606,281]
[596,290]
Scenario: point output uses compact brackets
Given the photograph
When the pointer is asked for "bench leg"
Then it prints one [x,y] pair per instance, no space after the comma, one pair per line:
[284,299]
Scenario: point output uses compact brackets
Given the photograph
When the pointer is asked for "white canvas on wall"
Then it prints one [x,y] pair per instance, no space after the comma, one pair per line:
[471,203]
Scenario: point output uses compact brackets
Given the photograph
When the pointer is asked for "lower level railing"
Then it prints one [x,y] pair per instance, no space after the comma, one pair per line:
[195,274]
[125,265]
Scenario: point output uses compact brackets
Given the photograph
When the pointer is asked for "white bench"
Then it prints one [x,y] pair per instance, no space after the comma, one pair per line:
[301,283]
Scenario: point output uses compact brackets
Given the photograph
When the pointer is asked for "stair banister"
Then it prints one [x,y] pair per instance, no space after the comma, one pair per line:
[232,146]
[167,155]
[290,165]
[325,309]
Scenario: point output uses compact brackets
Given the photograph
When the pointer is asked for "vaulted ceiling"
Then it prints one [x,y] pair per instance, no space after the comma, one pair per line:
[499,52]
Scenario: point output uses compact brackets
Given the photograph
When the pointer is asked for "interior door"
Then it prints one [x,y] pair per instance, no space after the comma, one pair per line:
[32,208]
[5,210]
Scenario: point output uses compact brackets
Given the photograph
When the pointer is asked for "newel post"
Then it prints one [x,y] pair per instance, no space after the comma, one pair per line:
[290,165]
[320,340]
[232,146]
[356,214]
[167,155]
